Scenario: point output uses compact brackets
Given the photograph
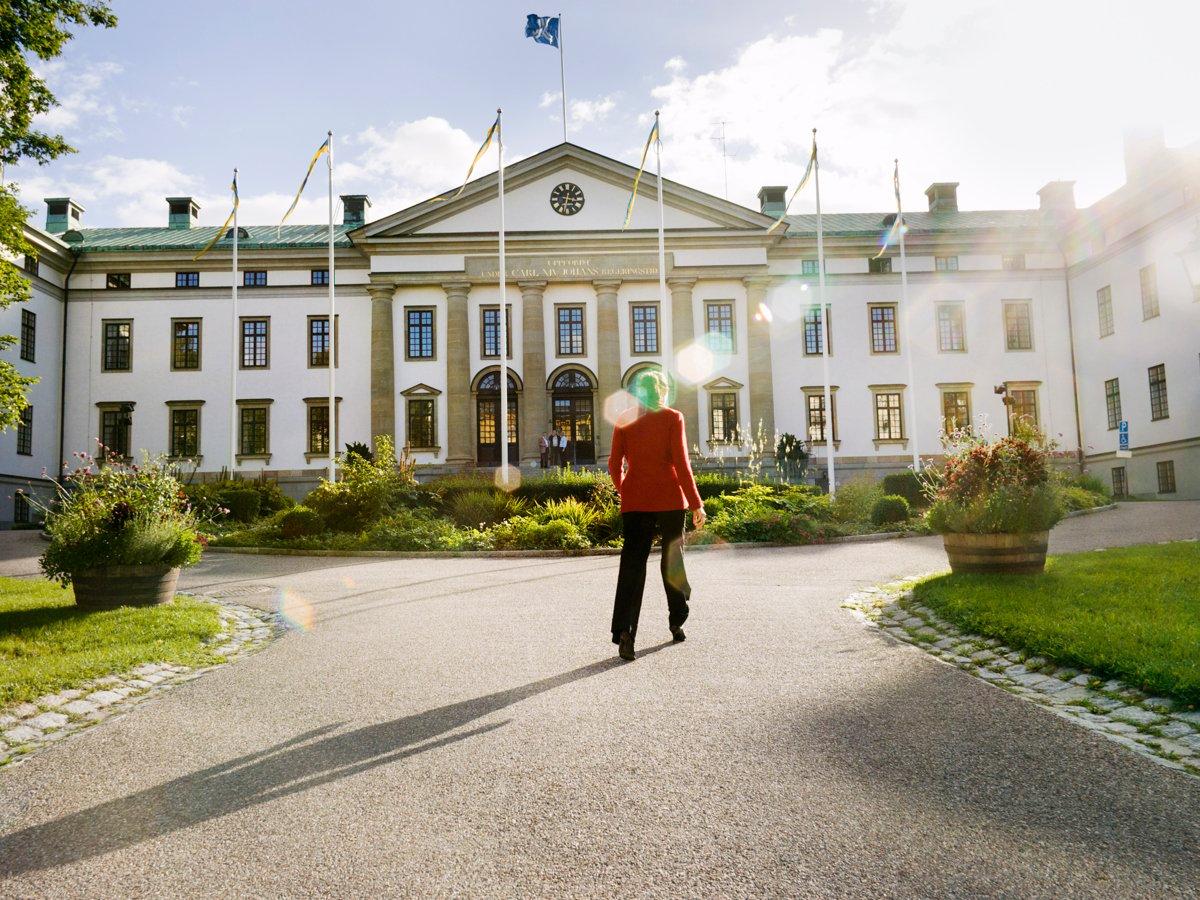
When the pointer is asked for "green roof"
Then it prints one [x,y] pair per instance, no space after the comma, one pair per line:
[258,237]
[873,224]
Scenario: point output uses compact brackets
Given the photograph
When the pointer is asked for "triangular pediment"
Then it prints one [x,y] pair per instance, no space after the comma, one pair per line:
[597,202]
[723,384]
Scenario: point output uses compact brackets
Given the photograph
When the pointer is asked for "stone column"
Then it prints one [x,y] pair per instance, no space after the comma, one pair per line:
[608,362]
[383,362]
[535,414]
[458,375]
[683,332]
[762,397]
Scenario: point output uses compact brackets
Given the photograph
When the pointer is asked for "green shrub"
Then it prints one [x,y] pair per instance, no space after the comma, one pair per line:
[299,521]
[342,508]
[906,484]
[854,500]
[1080,498]
[761,524]
[1008,509]
[527,533]
[370,489]
[447,487]
[243,504]
[583,516]
[791,456]
[579,484]
[119,515]
[890,509]
[483,508]
[1085,481]
[272,499]
[716,484]
[410,530]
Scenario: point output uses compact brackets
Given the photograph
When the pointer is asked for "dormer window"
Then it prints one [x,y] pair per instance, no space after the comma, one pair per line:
[256,278]
[118,281]
[187,279]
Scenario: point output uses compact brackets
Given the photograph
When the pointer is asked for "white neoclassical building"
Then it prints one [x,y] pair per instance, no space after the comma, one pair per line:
[1076,318]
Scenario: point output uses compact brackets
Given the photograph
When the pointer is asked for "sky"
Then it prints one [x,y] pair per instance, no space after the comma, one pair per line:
[999,95]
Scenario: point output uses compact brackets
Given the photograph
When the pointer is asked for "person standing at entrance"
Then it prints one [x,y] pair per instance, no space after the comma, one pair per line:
[555,449]
[544,450]
[650,469]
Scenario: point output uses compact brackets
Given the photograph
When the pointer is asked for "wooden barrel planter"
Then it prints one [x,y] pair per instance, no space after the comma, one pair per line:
[1017,554]
[108,587]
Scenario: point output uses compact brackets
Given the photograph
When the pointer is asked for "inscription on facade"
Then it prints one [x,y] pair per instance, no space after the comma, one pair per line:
[566,268]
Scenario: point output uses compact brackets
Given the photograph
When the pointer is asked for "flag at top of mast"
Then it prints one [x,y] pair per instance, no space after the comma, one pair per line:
[543,29]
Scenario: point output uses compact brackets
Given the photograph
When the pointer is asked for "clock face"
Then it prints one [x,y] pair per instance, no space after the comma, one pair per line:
[566,199]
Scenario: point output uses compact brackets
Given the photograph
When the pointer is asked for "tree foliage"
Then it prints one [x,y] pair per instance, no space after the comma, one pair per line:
[29,29]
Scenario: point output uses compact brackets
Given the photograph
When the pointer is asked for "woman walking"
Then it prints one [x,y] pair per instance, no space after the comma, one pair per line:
[649,466]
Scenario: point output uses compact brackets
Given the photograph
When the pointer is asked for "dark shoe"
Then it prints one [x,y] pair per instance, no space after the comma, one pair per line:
[625,650]
[677,634]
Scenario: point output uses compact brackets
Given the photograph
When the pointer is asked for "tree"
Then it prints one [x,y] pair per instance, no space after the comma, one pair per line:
[28,28]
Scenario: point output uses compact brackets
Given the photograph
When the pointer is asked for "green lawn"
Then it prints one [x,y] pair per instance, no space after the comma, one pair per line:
[48,644]
[1131,613]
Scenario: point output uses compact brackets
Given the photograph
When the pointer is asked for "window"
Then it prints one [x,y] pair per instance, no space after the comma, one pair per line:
[419,337]
[118,346]
[20,508]
[1149,279]
[422,423]
[255,278]
[28,335]
[881,266]
[319,276]
[723,417]
[946,263]
[570,330]
[318,342]
[254,435]
[718,323]
[187,279]
[31,263]
[1158,392]
[883,327]
[1022,408]
[116,423]
[491,331]
[952,329]
[1112,402]
[1104,310]
[121,281]
[889,417]
[1018,325]
[1012,262]
[809,267]
[644,327]
[184,440]
[814,402]
[1166,476]
[185,344]
[318,428]
[256,343]
[25,432]
[814,331]
[1120,484]
[956,410]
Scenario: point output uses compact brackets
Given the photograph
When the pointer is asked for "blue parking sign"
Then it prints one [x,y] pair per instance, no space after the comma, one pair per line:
[1123,435]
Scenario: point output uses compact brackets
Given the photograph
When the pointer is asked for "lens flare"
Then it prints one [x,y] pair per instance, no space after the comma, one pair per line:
[512,482]
[695,363]
[764,314]
[294,610]
[620,408]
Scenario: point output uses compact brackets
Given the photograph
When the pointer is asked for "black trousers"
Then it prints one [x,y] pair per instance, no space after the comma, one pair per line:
[640,528]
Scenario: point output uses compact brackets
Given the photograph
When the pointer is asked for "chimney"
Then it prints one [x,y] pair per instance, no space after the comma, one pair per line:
[772,199]
[354,209]
[1057,198]
[1144,148]
[62,214]
[182,212]
[943,196]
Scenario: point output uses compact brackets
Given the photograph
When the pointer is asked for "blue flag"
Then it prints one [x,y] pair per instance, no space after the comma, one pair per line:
[543,29]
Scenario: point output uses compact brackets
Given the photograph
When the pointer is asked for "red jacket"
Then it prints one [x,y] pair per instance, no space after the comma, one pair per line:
[658,477]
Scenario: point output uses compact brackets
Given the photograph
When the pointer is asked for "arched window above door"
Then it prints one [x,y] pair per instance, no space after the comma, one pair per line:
[490,384]
[572,380]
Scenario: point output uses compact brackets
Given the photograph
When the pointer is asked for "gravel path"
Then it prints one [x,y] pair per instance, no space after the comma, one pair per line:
[461,726]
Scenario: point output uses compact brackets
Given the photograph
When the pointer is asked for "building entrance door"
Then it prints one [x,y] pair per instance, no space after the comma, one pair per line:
[574,415]
[487,407]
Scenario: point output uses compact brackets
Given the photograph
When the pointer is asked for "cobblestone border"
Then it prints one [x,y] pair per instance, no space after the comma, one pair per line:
[29,727]
[1155,727]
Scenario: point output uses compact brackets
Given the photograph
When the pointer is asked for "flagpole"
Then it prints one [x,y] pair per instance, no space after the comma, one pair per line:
[234,346]
[824,319]
[662,247]
[562,75]
[331,427]
[502,416]
[908,323]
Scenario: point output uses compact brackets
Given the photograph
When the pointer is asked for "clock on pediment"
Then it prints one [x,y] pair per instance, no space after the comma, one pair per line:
[566,199]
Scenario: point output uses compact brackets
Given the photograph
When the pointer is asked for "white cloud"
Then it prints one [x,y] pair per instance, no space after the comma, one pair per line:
[83,93]
[549,98]
[1002,96]
[675,64]
[181,114]
[585,112]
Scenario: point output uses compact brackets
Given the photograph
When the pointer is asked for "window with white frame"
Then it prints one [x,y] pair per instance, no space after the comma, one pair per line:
[1112,402]
[951,328]
[1104,310]
[1148,276]
[1018,325]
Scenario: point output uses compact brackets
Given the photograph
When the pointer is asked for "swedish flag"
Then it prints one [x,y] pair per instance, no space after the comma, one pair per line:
[650,139]
[487,142]
[221,231]
[312,163]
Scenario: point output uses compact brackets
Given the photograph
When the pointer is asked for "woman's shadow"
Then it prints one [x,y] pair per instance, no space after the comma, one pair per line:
[308,760]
